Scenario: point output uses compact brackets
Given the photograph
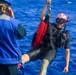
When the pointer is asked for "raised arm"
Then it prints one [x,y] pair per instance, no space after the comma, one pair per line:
[44,10]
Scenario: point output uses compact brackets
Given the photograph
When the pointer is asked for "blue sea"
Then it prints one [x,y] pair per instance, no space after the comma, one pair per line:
[28,12]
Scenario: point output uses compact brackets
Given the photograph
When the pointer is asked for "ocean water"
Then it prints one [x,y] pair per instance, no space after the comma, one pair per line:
[28,12]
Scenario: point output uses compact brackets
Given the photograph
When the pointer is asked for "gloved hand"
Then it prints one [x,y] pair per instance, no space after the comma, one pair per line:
[9,12]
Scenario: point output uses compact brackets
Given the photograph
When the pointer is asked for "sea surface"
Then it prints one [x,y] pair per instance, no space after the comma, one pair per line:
[28,12]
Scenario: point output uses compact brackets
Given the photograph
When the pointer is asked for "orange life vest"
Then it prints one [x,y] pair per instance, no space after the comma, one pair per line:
[40,32]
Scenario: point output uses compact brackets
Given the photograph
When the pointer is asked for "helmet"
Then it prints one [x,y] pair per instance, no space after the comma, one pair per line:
[6,1]
[61,18]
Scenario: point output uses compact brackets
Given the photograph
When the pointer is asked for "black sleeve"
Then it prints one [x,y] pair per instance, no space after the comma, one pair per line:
[21,32]
[46,18]
[67,42]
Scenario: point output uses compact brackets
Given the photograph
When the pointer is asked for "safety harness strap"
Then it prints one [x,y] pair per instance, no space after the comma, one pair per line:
[50,27]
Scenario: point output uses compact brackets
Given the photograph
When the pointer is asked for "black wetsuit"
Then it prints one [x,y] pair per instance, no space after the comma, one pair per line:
[47,50]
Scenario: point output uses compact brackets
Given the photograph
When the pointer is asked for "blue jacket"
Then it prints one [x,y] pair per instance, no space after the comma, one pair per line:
[9,49]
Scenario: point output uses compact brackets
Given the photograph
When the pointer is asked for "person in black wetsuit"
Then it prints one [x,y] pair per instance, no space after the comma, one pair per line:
[55,37]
